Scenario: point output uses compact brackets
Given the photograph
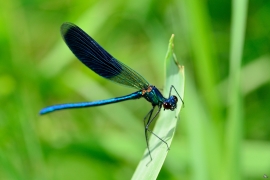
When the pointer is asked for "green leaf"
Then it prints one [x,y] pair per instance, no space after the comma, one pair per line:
[167,121]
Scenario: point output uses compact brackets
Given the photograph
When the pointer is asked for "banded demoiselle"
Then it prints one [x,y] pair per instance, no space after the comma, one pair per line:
[90,53]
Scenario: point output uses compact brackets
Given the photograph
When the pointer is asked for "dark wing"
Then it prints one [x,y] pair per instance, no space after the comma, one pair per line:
[90,53]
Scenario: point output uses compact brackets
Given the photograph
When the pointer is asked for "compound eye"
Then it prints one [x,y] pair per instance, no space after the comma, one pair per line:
[175,98]
[167,105]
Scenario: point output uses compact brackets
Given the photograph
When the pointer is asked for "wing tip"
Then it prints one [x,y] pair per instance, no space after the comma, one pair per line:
[65,27]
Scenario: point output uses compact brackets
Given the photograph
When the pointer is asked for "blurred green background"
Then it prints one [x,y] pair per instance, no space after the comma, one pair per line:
[223,131]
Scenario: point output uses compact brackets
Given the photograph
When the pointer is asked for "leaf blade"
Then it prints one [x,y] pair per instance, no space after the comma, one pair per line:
[163,128]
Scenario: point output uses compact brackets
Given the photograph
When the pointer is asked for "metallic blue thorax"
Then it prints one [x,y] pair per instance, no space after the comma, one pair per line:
[153,95]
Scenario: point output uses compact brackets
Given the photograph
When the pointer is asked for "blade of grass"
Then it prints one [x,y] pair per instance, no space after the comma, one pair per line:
[235,113]
[166,123]
[205,60]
